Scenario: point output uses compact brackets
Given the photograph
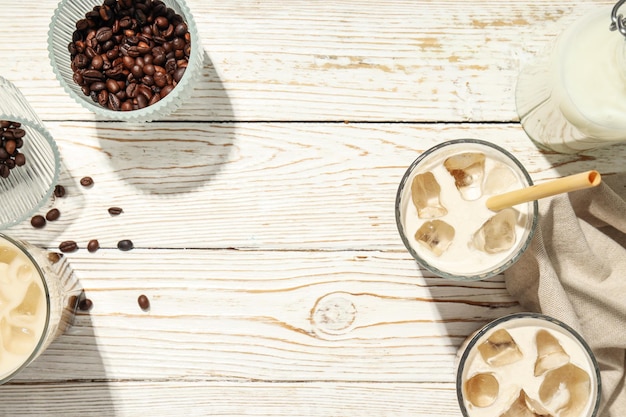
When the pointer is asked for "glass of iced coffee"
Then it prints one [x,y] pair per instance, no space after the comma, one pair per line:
[527,365]
[442,216]
[37,300]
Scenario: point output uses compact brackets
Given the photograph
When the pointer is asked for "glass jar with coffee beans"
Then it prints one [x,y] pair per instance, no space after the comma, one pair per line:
[129,54]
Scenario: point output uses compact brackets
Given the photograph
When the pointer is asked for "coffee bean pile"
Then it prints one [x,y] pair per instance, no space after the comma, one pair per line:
[129,54]
[11,140]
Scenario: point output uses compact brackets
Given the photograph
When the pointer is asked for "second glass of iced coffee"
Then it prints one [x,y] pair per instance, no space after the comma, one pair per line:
[442,216]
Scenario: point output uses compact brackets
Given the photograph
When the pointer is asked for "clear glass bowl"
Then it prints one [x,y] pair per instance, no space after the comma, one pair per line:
[518,375]
[30,186]
[469,265]
[62,27]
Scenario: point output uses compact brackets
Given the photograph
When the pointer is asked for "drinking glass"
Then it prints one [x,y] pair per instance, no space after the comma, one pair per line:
[460,224]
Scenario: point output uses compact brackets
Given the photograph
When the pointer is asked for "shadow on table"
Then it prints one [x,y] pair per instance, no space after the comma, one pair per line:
[464,307]
[178,154]
[68,379]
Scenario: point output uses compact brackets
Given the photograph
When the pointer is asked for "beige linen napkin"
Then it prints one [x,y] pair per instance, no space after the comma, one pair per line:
[575,271]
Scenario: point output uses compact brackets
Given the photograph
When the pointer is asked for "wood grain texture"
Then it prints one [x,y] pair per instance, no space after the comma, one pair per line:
[322,186]
[352,60]
[198,398]
[267,315]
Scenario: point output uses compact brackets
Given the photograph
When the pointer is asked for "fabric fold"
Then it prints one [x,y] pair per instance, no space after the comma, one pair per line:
[575,271]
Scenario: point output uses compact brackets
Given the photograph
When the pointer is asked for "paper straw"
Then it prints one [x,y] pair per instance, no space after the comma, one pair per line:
[559,186]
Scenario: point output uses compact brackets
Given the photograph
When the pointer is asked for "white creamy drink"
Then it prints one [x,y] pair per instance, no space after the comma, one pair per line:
[443,217]
[23,307]
[37,289]
[527,365]
[574,98]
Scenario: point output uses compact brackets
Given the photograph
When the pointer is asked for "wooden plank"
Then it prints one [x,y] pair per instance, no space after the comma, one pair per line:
[197,398]
[267,315]
[315,186]
[346,60]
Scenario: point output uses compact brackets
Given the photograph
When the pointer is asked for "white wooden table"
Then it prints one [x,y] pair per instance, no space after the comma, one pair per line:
[262,211]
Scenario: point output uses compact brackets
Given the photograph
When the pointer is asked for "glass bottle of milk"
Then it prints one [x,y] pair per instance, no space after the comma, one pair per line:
[573,98]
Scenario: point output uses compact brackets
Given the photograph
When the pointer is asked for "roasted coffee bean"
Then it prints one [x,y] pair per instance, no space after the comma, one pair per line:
[97,86]
[82,24]
[20,159]
[92,75]
[137,71]
[10,146]
[54,257]
[103,97]
[72,303]
[178,74]
[142,101]
[144,302]
[166,90]
[115,211]
[81,61]
[114,102]
[112,86]
[85,304]
[104,34]
[156,97]
[5,171]
[38,221]
[53,214]
[125,245]
[86,181]
[161,22]
[160,79]
[181,30]
[97,62]
[68,246]
[90,52]
[59,191]
[93,245]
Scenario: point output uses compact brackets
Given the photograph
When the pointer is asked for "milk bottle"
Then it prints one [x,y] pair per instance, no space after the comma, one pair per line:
[573,98]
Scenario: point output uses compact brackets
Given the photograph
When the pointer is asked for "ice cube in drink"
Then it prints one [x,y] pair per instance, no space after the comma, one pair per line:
[34,290]
[496,374]
[445,191]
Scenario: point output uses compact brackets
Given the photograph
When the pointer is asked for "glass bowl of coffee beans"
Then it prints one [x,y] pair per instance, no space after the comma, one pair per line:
[128,60]
[29,158]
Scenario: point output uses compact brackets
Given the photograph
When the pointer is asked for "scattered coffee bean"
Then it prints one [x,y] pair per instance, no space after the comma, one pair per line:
[85,304]
[129,44]
[53,214]
[72,303]
[144,302]
[11,140]
[115,211]
[38,221]
[125,245]
[54,257]
[93,245]
[59,191]
[68,246]
[86,181]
